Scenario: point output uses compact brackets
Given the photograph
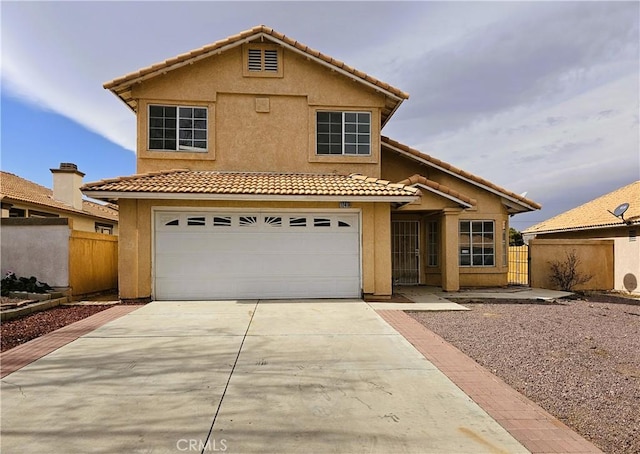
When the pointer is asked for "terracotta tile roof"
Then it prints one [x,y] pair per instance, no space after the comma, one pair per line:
[17,189]
[251,183]
[437,187]
[405,150]
[594,214]
[121,86]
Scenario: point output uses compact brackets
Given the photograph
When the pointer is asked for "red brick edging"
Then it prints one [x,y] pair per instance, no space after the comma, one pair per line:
[536,429]
[20,356]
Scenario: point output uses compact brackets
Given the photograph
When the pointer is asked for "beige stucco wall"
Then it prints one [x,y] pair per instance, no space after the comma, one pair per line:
[241,135]
[93,262]
[626,253]
[596,259]
[136,244]
[489,207]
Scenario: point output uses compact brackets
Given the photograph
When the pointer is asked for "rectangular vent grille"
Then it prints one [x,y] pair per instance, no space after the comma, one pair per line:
[271,60]
[255,60]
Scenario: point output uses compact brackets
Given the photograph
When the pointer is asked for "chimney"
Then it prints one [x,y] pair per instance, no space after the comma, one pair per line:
[67,181]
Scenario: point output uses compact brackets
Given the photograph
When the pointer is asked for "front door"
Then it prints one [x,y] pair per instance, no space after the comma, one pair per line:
[405,252]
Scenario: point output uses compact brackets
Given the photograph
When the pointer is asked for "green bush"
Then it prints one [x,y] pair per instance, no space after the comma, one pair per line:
[12,283]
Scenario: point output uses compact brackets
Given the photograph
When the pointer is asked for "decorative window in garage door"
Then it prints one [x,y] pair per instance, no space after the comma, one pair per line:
[257,221]
[321,222]
[297,222]
[196,220]
[222,221]
[273,221]
[246,221]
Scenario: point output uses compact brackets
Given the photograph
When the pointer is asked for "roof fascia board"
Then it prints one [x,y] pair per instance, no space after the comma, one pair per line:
[185,62]
[243,41]
[334,68]
[454,174]
[110,195]
[393,111]
[7,199]
[445,195]
[579,229]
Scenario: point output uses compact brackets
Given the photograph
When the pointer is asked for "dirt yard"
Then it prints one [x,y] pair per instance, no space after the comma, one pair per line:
[578,359]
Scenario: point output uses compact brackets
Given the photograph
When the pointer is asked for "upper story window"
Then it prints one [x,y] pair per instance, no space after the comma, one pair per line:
[262,60]
[343,133]
[177,128]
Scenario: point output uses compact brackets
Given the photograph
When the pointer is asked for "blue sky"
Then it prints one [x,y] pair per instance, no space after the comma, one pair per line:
[36,140]
[538,97]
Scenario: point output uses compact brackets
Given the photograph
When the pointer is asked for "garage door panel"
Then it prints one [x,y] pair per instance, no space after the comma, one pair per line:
[264,258]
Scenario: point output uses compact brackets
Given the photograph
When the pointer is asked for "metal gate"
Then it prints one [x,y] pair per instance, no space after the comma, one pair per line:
[405,252]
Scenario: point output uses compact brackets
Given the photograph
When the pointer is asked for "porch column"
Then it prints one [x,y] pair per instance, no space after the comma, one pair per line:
[450,252]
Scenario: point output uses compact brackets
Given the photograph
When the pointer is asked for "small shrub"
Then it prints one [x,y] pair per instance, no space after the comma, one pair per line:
[12,283]
[565,274]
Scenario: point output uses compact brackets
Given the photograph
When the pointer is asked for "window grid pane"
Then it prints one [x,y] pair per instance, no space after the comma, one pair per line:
[177,128]
[357,143]
[347,133]
[433,242]
[329,135]
[477,243]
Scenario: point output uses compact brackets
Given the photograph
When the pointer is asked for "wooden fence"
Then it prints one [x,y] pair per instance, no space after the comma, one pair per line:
[519,265]
[93,262]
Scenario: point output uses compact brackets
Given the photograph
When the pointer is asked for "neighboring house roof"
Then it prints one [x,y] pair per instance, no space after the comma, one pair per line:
[250,185]
[517,203]
[596,213]
[17,189]
[121,86]
[439,189]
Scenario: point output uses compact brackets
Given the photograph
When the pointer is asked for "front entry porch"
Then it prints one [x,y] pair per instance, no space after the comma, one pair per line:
[424,248]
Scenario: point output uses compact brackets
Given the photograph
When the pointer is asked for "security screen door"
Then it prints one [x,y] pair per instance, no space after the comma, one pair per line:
[405,252]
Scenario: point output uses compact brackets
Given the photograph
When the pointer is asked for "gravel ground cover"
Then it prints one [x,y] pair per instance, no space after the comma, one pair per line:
[21,330]
[578,359]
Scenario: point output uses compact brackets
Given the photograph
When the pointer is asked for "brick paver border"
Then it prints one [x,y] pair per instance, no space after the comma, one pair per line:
[536,429]
[20,356]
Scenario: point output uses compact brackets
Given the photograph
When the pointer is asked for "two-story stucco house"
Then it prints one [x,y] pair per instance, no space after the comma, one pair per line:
[263,173]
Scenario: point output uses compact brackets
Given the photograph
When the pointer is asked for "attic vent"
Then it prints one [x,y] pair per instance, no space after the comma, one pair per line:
[255,60]
[262,60]
[270,60]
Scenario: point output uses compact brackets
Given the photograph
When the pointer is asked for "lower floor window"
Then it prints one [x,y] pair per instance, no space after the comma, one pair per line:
[477,243]
[104,228]
[433,243]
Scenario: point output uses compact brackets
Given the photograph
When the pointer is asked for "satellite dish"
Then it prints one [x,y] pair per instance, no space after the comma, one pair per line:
[620,211]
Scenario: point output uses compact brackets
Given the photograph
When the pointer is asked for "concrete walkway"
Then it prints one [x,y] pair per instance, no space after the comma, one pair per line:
[274,376]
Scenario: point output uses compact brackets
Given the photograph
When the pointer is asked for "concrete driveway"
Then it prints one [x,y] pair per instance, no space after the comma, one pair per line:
[248,376]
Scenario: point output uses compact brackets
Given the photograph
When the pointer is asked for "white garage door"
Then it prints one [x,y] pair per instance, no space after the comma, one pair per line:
[205,255]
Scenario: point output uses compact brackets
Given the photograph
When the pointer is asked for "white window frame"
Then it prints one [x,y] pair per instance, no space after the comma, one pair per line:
[477,244]
[180,148]
[344,133]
